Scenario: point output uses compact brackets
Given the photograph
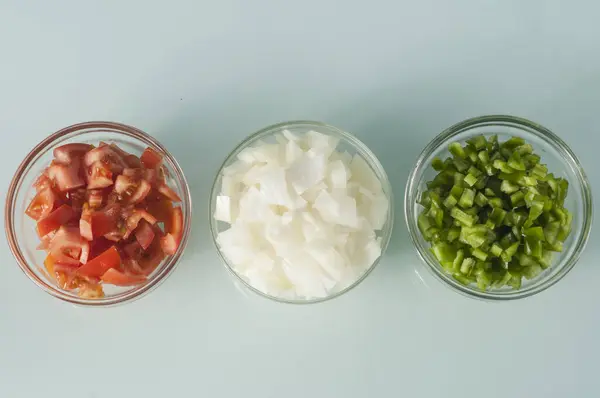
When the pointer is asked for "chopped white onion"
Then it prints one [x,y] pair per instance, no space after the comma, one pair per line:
[303,217]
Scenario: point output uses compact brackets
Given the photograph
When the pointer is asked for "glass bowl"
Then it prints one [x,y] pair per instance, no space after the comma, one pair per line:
[554,153]
[20,229]
[347,142]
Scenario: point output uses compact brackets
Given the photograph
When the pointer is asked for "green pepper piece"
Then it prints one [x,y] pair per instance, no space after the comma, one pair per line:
[467,265]
[496,202]
[462,279]
[484,157]
[509,252]
[508,187]
[480,199]
[460,164]
[497,215]
[496,250]
[535,232]
[479,254]
[517,199]
[539,170]
[533,247]
[470,180]
[516,162]
[466,199]
[457,150]
[438,164]
[489,192]
[546,259]
[512,143]
[443,252]
[462,217]
[450,202]
[456,191]
[502,166]
[532,271]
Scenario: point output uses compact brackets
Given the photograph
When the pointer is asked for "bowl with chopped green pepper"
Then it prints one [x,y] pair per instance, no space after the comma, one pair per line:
[498,207]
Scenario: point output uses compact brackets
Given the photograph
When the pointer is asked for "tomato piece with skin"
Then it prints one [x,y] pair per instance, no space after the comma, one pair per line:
[66,246]
[169,193]
[42,204]
[66,153]
[151,159]
[67,177]
[90,290]
[133,220]
[125,185]
[97,266]
[161,210]
[55,220]
[143,262]
[42,183]
[142,191]
[99,176]
[118,278]
[144,234]
[129,159]
[45,241]
[95,224]
[106,155]
[170,242]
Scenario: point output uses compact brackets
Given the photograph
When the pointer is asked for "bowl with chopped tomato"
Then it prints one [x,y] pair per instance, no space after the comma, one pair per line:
[98,214]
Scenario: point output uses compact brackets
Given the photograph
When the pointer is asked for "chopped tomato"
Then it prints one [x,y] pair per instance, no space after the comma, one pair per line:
[161,209]
[77,199]
[133,220]
[170,242]
[42,183]
[141,192]
[89,202]
[42,204]
[66,177]
[100,176]
[114,236]
[99,245]
[68,152]
[94,224]
[151,159]
[66,246]
[107,155]
[90,290]
[49,262]
[97,266]
[169,193]
[125,185]
[143,262]
[45,242]
[144,234]
[119,278]
[95,198]
[55,220]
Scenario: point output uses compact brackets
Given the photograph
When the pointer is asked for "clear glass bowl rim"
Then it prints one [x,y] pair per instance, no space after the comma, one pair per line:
[371,159]
[48,142]
[549,138]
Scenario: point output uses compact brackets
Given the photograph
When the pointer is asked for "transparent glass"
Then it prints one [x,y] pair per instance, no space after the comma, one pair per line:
[20,229]
[554,153]
[348,143]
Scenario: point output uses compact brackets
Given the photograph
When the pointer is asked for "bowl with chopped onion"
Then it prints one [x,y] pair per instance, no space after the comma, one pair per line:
[98,214]
[498,207]
[301,212]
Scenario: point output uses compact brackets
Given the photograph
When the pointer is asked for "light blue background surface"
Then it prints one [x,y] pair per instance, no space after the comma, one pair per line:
[200,76]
